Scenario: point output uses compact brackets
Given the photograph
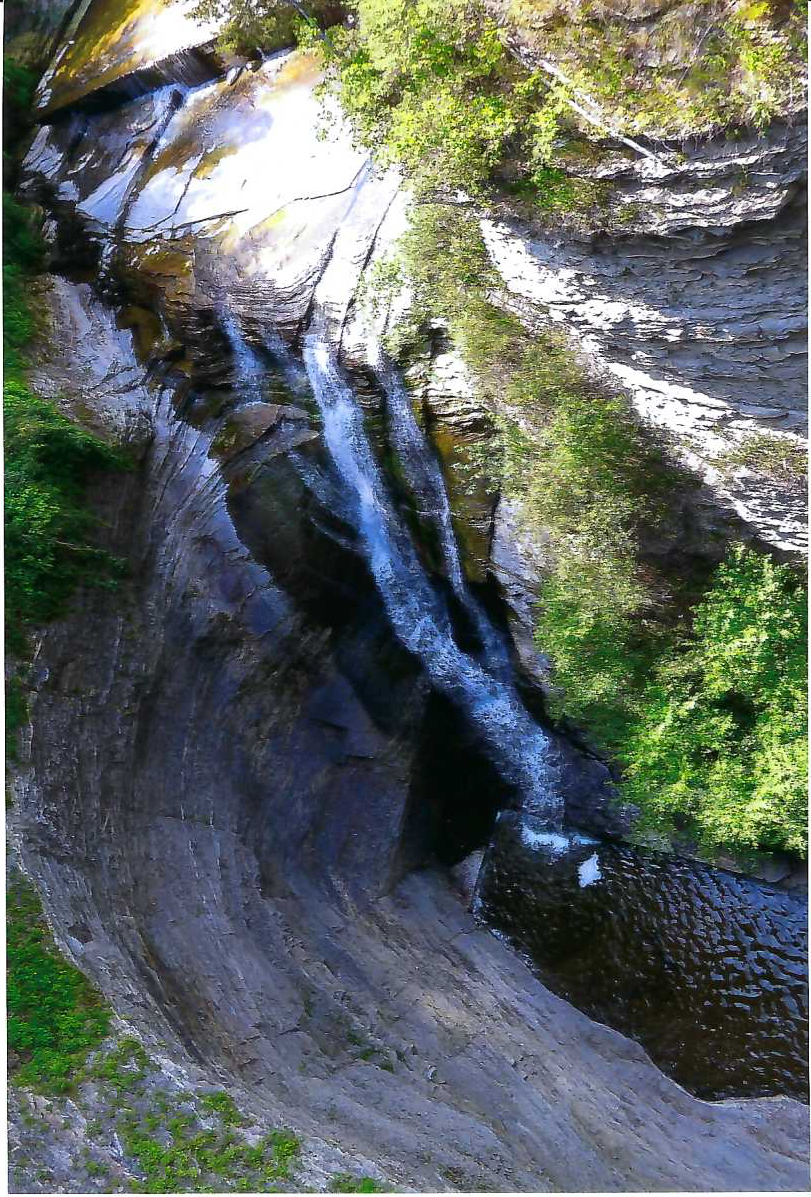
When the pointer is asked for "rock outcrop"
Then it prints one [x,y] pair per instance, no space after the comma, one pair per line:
[227,784]
[696,307]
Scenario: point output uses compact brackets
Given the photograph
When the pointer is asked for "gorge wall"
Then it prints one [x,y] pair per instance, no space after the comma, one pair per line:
[226,785]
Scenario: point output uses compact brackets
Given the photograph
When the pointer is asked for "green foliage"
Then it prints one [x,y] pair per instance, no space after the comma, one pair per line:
[123,1067]
[777,457]
[174,1140]
[601,652]
[345,1182]
[430,85]
[434,86]
[180,1155]
[49,461]
[720,741]
[21,241]
[248,25]
[690,69]
[16,714]
[55,1017]
[223,1104]
[23,253]
[19,85]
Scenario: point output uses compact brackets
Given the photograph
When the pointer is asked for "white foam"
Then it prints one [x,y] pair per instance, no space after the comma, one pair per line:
[589,871]
[558,844]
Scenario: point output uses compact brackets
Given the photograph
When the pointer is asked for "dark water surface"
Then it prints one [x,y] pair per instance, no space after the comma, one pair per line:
[706,969]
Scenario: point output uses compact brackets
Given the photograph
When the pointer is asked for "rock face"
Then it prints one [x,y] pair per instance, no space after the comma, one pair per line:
[233,766]
[698,310]
[112,52]
[212,796]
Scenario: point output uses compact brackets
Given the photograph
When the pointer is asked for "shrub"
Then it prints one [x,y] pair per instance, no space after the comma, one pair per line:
[345,1182]
[55,1017]
[720,740]
[49,461]
[431,86]
[778,457]
[248,25]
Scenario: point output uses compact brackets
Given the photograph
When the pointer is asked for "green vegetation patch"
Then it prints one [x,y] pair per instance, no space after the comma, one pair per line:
[179,1154]
[49,461]
[174,1140]
[778,457]
[720,743]
[55,1017]
[685,69]
[19,85]
[248,25]
[345,1182]
[432,86]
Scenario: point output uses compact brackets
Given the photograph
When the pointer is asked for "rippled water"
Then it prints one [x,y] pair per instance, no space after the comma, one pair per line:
[705,968]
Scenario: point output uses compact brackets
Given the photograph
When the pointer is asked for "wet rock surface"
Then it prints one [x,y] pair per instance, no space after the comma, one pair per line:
[123,48]
[705,968]
[696,306]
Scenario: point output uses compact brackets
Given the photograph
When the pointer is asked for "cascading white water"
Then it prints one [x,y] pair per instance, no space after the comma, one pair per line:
[424,477]
[418,614]
[249,370]
[421,469]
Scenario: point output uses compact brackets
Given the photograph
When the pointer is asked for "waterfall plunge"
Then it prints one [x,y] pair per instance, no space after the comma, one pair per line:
[418,614]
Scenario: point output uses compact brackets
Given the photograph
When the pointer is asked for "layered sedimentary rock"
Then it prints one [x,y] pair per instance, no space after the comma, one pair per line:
[698,311]
[214,806]
[234,766]
[112,52]
[694,302]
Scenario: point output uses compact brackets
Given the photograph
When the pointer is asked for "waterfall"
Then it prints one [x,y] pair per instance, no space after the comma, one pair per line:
[418,613]
[424,477]
[420,467]
[248,369]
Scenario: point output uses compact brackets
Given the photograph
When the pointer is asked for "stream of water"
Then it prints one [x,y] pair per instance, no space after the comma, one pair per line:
[417,611]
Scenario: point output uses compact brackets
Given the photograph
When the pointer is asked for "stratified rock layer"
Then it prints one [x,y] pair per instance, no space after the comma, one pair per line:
[219,805]
[222,786]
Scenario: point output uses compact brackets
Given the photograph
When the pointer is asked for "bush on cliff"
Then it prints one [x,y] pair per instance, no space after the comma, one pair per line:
[720,738]
[55,1017]
[248,25]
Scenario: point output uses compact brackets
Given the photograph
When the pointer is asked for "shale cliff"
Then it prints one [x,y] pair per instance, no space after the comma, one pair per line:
[241,786]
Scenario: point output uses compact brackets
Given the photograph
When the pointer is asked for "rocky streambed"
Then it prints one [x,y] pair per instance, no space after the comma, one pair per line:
[247,773]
